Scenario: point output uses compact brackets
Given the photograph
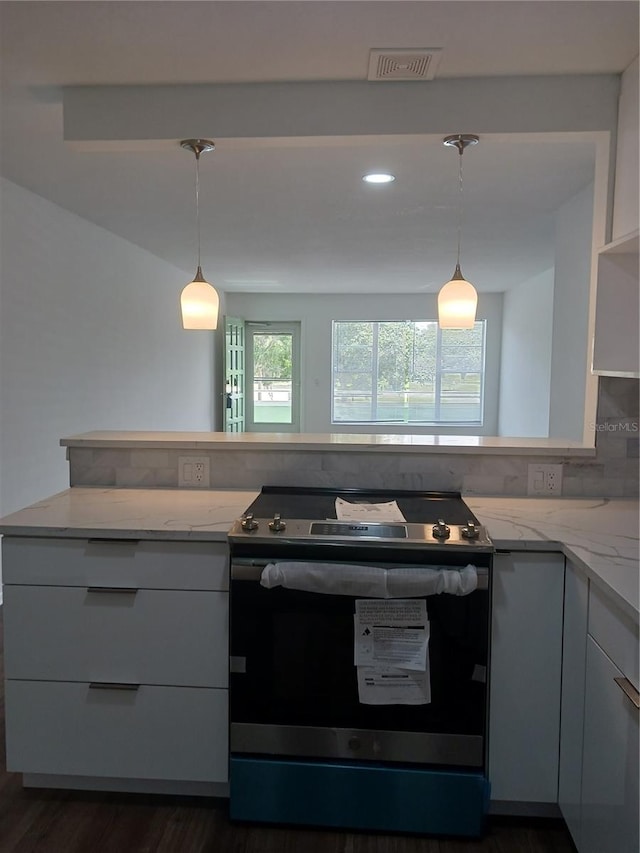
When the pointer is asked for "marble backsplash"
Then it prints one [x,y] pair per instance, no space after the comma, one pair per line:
[613,472]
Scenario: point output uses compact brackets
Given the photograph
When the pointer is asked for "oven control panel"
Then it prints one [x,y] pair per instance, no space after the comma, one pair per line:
[346,528]
[470,536]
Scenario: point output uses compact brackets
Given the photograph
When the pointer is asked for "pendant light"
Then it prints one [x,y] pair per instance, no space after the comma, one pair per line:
[199,300]
[457,300]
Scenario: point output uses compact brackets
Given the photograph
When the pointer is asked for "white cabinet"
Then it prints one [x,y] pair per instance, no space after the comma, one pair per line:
[610,760]
[615,350]
[116,659]
[526,656]
[145,636]
[599,733]
[625,197]
[66,728]
[611,717]
[576,593]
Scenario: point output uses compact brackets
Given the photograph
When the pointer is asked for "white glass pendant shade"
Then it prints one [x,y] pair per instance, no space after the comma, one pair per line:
[457,303]
[199,302]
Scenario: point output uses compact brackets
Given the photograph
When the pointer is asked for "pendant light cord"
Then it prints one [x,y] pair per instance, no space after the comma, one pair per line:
[460,151]
[197,153]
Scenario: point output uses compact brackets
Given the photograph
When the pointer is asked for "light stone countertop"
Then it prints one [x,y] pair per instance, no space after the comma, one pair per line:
[332,441]
[599,535]
[91,512]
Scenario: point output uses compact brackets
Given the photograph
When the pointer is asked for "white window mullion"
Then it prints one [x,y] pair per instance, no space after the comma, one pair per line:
[438,383]
[374,370]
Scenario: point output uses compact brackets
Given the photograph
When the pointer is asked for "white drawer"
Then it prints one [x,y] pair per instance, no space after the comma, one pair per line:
[171,733]
[170,637]
[117,562]
[615,633]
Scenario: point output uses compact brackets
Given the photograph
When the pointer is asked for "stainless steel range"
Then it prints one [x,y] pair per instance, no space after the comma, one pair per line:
[359,660]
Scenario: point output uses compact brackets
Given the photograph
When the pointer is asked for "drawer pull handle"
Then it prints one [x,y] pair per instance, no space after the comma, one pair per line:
[629,690]
[104,540]
[120,590]
[112,685]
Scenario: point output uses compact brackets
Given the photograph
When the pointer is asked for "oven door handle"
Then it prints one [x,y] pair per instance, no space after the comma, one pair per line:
[251,570]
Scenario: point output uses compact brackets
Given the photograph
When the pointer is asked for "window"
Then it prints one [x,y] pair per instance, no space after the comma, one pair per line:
[407,372]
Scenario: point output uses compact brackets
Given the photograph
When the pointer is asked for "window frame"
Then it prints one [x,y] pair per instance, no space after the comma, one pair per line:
[438,378]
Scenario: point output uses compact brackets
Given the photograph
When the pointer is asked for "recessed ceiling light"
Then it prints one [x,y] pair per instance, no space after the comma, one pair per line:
[379,178]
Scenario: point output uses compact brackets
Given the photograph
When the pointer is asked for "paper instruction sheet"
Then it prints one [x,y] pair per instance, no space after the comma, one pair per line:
[391,639]
[389,511]
[393,686]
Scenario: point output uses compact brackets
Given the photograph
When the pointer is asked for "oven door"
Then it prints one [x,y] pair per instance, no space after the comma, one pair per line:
[293,682]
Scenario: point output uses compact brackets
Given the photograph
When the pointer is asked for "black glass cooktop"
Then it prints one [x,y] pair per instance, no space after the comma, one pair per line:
[319,503]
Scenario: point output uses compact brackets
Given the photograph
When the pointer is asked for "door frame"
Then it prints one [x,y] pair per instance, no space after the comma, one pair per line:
[284,327]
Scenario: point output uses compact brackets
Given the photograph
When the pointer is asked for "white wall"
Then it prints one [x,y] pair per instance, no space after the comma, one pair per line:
[525,363]
[316,313]
[90,338]
[574,224]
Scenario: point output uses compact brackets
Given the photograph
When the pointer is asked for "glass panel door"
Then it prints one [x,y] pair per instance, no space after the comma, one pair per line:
[234,375]
[273,372]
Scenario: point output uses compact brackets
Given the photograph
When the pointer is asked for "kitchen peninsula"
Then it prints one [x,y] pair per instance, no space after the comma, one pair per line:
[125,545]
[472,465]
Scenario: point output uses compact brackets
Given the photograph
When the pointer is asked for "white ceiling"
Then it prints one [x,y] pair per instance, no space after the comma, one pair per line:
[297,217]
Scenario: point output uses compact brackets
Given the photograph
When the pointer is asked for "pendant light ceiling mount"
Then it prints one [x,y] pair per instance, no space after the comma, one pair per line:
[198,146]
[199,300]
[461,141]
[458,299]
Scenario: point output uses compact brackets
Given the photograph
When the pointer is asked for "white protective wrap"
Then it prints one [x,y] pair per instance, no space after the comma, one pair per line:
[370,581]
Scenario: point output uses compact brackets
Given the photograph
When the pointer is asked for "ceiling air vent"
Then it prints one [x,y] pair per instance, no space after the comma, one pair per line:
[404,64]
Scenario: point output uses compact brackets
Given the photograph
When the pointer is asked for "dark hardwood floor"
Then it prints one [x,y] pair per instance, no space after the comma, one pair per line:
[46,821]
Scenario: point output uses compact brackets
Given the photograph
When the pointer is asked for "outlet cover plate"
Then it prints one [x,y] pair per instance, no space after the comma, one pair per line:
[544,480]
[194,472]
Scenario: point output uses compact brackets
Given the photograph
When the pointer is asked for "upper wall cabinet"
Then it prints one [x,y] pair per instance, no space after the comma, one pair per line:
[625,200]
[615,351]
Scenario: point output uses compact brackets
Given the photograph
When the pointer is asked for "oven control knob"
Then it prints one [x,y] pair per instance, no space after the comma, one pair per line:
[353,743]
[441,530]
[248,522]
[470,530]
[277,524]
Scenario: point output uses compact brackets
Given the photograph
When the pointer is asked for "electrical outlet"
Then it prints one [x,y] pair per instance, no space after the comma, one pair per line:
[544,480]
[194,472]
